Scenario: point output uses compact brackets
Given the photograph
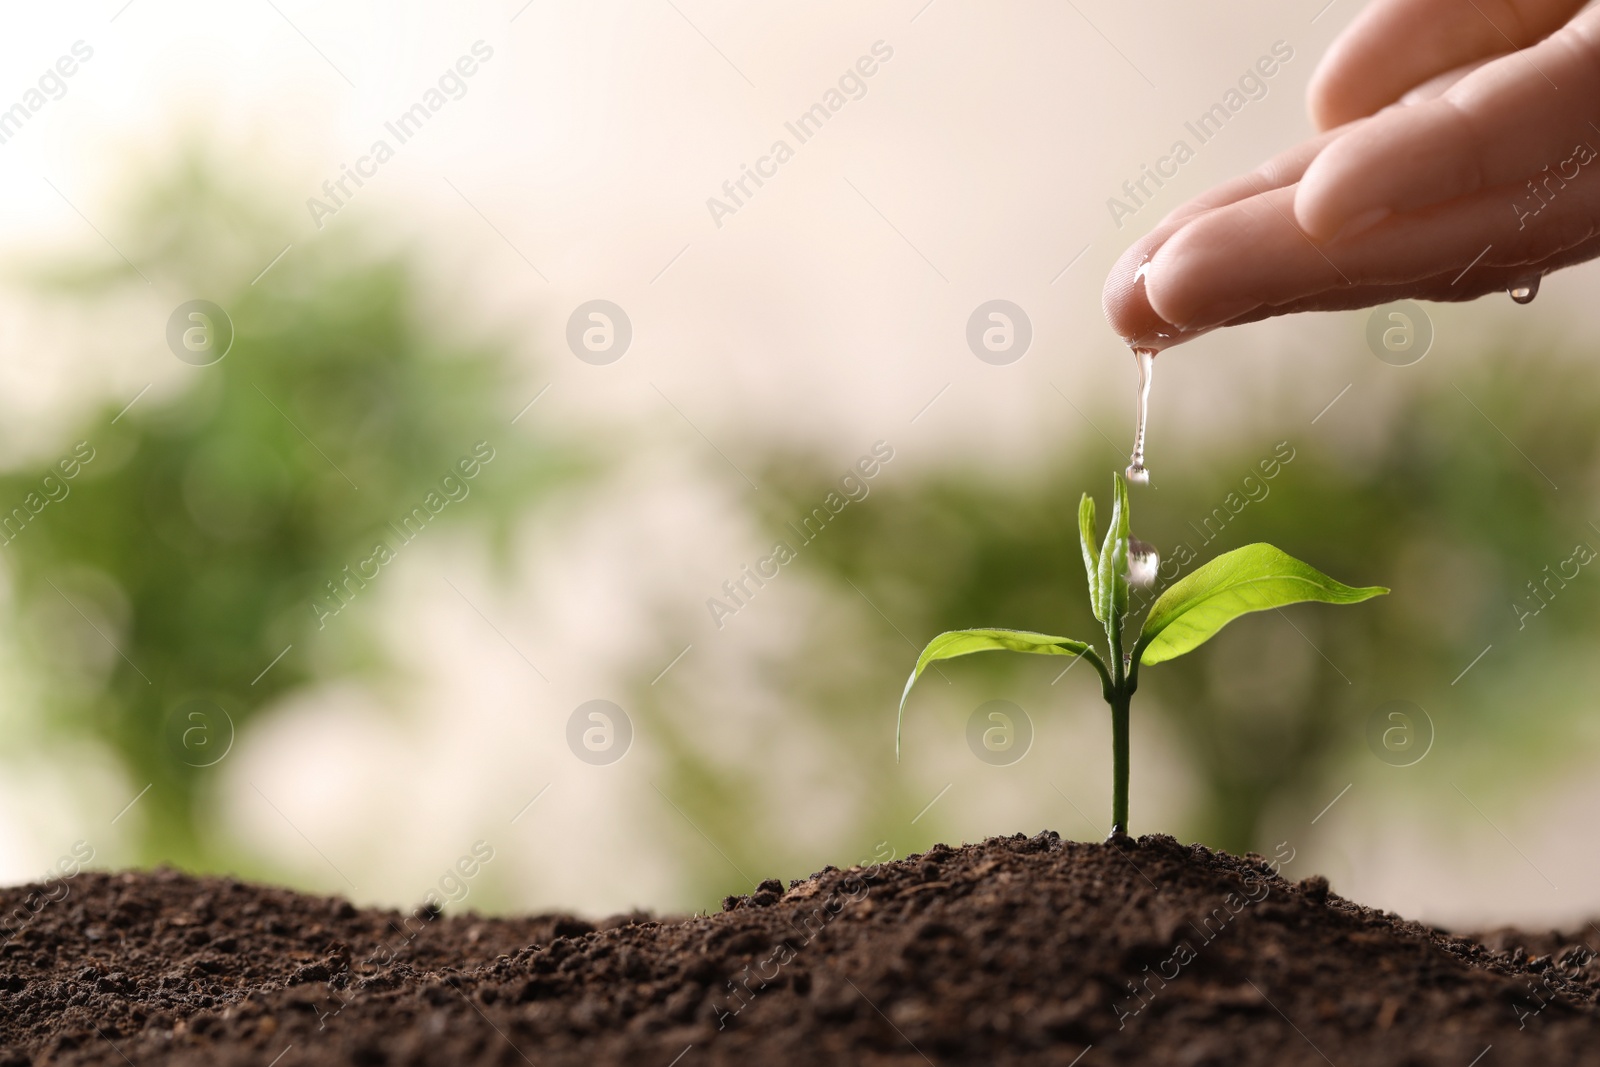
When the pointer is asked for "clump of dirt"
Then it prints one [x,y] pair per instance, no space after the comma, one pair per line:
[1014,951]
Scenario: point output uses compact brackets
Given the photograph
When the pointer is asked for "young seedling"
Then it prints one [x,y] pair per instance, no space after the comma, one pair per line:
[1253,578]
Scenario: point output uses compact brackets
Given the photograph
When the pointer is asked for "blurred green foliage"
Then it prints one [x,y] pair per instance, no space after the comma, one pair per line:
[187,553]
[211,518]
[1438,504]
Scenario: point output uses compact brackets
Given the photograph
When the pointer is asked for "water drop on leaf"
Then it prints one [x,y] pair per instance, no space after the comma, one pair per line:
[1143,559]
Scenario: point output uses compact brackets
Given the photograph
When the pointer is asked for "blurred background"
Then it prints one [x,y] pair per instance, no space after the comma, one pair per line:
[383,384]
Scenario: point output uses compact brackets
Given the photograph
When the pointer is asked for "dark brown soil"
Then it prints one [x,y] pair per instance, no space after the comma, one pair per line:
[1013,951]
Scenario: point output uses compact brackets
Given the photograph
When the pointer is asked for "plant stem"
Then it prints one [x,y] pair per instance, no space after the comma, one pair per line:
[1114,640]
[1107,686]
[1118,695]
[1119,759]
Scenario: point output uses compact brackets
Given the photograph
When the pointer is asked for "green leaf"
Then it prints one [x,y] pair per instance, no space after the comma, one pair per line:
[955,643]
[1112,584]
[1091,555]
[1253,578]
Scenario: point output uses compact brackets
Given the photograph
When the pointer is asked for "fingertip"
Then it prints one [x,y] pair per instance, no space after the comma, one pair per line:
[1325,102]
[1187,281]
[1329,206]
[1166,289]
[1318,210]
[1403,159]
[1333,96]
[1124,298]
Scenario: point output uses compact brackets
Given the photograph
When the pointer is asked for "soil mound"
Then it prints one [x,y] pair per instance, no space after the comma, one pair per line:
[1014,951]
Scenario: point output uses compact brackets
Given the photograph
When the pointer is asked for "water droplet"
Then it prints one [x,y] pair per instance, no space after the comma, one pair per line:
[1524,293]
[1137,473]
[1143,559]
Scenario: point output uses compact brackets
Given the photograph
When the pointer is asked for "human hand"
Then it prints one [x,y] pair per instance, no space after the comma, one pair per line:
[1459,158]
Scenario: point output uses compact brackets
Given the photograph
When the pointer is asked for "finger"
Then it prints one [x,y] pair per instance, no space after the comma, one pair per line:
[1285,168]
[1446,286]
[1499,124]
[1435,87]
[1249,259]
[1123,297]
[1394,45]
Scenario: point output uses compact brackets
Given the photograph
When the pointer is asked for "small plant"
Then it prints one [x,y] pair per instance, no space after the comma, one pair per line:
[1253,578]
